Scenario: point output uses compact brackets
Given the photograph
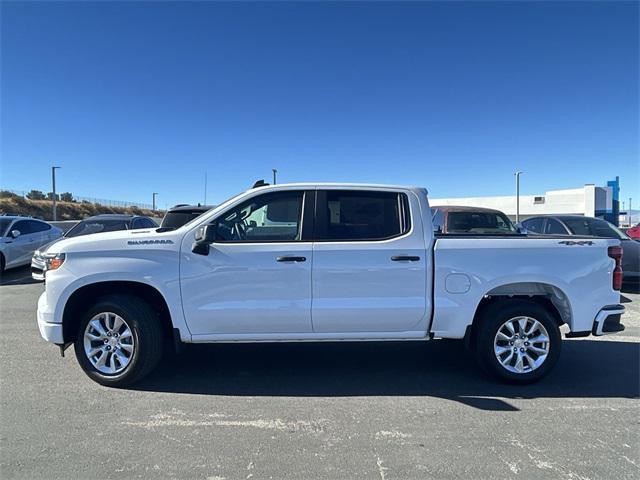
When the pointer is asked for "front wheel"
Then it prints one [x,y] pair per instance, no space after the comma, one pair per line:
[518,341]
[119,340]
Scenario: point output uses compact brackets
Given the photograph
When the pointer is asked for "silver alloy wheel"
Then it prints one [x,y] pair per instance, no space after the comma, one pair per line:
[108,343]
[521,344]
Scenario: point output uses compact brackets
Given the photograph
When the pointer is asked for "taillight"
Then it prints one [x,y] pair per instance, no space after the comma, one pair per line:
[616,254]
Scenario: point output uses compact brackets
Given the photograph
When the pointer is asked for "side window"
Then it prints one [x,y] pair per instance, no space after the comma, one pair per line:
[137,223]
[554,227]
[362,215]
[534,224]
[23,226]
[38,226]
[272,217]
[148,223]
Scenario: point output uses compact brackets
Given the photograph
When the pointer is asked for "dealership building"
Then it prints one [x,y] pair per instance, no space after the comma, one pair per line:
[589,200]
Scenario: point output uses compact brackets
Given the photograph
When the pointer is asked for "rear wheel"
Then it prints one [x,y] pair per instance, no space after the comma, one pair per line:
[518,341]
[119,340]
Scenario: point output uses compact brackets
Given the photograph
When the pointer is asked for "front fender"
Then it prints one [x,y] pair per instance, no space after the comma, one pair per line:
[159,270]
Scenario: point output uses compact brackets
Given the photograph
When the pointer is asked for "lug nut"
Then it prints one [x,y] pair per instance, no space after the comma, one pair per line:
[522,350]
[106,341]
[526,344]
[108,347]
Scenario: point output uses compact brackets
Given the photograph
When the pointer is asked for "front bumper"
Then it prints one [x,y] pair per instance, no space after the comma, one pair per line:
[608,321]
[37,268]
[50,331]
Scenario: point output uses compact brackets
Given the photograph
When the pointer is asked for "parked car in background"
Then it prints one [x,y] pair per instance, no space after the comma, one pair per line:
[634,232]
[180,214]
[471,220]
[95,224]
[596,227]
[20,237]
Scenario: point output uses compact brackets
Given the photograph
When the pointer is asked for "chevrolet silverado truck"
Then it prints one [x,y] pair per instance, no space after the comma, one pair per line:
[325,262]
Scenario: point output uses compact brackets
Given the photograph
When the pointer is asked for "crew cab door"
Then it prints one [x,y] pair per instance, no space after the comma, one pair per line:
[256,278]
[369,263]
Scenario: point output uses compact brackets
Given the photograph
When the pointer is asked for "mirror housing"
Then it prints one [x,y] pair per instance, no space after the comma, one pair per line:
[205,235]
[15,233]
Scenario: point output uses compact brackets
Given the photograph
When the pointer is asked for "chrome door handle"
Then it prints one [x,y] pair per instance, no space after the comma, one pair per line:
[291,259]
[405,258]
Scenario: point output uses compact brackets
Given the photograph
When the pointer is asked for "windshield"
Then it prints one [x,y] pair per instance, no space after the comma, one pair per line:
[178,219]
[222,205]
[4,226]
[87,227]
[594,227]
[479,222]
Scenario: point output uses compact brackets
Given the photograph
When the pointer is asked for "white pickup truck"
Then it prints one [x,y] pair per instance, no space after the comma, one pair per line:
[325,262]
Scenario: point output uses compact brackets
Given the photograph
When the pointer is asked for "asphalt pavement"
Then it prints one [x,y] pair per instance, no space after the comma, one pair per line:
[304,411]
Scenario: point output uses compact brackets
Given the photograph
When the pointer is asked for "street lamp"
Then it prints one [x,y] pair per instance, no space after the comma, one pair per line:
[154,201]
[53,182]
[274,175]
[517,174]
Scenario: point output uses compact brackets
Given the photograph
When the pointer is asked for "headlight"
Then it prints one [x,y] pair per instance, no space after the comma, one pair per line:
[52,261]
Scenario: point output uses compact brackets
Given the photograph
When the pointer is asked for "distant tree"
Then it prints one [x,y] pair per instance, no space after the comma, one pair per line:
[8,194]
[66,197]
[36,195]
[50,196]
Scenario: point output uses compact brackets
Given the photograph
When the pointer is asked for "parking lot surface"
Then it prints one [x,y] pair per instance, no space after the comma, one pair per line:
[304,411]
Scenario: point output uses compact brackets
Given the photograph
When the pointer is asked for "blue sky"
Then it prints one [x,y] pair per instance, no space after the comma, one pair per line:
[132,98]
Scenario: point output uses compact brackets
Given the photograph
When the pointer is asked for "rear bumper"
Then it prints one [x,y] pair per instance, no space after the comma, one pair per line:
[50,331]
[608,321]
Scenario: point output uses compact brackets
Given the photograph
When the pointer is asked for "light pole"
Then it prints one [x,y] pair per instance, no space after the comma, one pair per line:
[517,174]
[629,216]
[154,201]
[53,185]
[274,175]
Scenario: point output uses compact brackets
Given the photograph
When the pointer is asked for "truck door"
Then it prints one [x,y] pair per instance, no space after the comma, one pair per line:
[256,278]
[369,262]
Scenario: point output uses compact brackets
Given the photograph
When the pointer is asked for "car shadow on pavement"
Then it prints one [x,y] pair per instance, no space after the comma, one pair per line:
[17,276]
[587,369]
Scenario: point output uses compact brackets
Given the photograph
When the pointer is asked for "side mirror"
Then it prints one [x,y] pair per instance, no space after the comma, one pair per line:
[205,235]
[15,233]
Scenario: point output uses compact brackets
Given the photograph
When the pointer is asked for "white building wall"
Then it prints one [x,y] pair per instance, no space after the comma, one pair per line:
[575,201]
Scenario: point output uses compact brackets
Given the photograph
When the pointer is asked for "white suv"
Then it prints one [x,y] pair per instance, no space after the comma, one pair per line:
[20,237]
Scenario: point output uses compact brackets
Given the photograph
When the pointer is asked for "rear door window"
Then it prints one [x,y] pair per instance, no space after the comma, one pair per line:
[554,227]
[361,215]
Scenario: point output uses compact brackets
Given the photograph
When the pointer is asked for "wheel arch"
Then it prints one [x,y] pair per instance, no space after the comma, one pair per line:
[550,297]
[85,296]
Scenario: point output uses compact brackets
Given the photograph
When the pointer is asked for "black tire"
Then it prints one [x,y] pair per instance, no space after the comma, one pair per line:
[2,264]
[493,318]
[147,334]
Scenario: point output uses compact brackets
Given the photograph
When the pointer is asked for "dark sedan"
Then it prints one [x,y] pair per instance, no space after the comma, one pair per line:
[596,227]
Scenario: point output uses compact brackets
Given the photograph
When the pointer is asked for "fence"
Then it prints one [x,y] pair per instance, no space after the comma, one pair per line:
[99,201]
